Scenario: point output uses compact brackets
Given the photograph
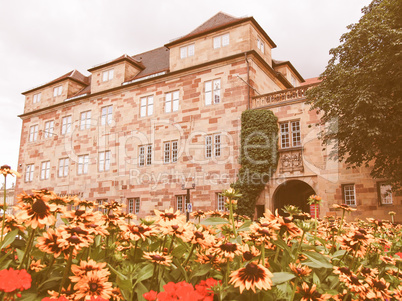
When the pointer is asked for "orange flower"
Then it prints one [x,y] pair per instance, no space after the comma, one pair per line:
[251,276]
[51,242]
[311,294]
[169,217]
[6,170]
[227,249]
[88,266]
[300,270]
[93,284]
[36,266]
[158,257]
[137,232]
[37,212]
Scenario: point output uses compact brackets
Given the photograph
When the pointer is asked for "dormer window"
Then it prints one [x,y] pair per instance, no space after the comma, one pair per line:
[260,45]
[107,75]
[57,91]
[221,41]
[187,51]
[36,98]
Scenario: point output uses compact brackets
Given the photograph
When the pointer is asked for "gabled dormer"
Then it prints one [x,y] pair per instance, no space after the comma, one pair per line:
[56,91]
[219,37]
[288,71]
[114,73]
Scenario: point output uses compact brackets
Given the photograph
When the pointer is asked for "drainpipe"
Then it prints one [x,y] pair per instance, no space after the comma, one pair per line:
[248,81]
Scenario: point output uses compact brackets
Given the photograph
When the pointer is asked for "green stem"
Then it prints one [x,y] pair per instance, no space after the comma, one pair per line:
[300,245]
[27,248]
[135,248]
[294,289]
[227,272]
[49,268]
[189,255]
[67,269]
[4,211]
[171,243]
[232,218]
[276,254]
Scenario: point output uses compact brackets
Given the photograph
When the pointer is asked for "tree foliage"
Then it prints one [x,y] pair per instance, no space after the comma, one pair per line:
[361,93]
[258,157]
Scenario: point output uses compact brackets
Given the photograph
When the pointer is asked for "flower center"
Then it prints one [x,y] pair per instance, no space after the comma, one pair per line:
[39,207]
[229,247]
[170,216]
[93,287]
[158,258]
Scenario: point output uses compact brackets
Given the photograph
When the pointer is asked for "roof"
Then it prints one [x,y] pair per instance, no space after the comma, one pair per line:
[124,57]
[73,75]
[310,81]
[154,61]
[219,21]
[276,63]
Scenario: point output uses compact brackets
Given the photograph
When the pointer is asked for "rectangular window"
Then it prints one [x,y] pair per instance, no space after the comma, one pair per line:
[36,98]
[170,152]
[57,91]
[83,162]
[66,125]
[187,51]
[104,161]
[212,92]
[290,134]
[33,133]
[106,116]
[45,170]
[349,194]
[171,102]
[385,194]
[221,41]
[107,75]
[260,45]
[213,146]
[130,206]
[29,172]
[221,202]
[49,128]
[101,203]
[63,167]
[181,202]
[147,106]
[85,120]
[145,155]
[137,205]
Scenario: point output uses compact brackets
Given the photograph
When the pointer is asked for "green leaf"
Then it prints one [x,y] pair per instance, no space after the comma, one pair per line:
[202,270]
[211,221]
[281,277]
[9,238]
[145,273]
[28,297]
[245,226]
[180,268]
[50,283]
[118,274]
[316,279]
[317,260]
[140,289]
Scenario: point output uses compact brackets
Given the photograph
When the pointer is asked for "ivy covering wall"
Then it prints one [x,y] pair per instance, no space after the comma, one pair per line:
[258,157]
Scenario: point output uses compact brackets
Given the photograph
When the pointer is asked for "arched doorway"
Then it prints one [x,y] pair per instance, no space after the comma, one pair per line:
[293,192]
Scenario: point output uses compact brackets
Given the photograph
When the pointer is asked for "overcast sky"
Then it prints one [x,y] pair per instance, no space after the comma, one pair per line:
[41,40]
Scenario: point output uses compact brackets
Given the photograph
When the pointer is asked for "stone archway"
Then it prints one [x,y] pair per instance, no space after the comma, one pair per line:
[292,192]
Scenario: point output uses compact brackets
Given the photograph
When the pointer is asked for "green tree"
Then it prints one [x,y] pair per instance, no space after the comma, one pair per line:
[360,95]
[258,157]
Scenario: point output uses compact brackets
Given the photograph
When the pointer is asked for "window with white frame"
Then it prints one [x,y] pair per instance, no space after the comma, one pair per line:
[29,171]
[104,161]
[147,106]
[260,45]
[137,205]
[63,167]
[130,206]
[106,115]
[49,128]
[170,149]
[107,75]
[212,92]
[134,205]
[101,203]
[45,170]
[57,91]
[36,97]
[385,193]
[33,133]
[187,51]
[83,162]
[221,202]
[221,41]
[349,194]
[213,146]
[181,202]
[85,120]
[290,134]
[66,125]
[172,102]
[145,155]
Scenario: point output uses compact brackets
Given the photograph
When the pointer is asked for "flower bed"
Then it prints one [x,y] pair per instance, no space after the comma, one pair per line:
[109,255]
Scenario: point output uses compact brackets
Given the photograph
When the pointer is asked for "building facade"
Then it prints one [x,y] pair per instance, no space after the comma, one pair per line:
[141,129]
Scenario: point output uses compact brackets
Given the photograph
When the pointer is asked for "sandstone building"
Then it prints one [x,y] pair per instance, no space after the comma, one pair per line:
[141,128]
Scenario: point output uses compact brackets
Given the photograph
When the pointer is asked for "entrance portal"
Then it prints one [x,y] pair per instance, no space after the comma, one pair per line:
[293,192]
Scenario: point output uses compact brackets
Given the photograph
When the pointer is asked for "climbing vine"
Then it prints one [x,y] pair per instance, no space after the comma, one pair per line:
[258,157]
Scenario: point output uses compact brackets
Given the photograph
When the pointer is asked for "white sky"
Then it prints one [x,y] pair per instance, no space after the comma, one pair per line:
[41,40]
